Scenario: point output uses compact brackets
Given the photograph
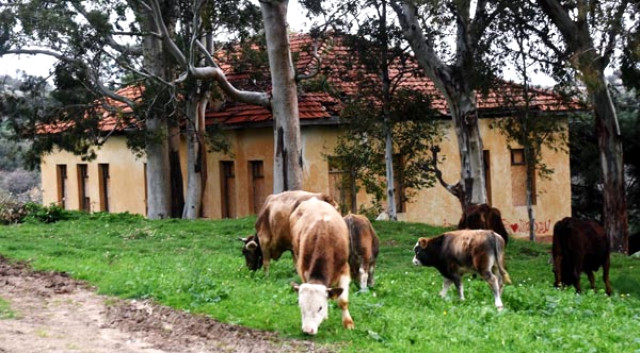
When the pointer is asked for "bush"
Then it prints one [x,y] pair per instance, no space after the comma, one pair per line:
[52,213]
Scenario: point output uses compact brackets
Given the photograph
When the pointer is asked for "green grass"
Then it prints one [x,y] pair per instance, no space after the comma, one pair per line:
[197,266]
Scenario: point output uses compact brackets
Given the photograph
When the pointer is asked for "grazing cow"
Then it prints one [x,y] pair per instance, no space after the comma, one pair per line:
[579,246]
[363,249]
[321,250]
[634,243]
[456,252]
[483,216]
[273,234]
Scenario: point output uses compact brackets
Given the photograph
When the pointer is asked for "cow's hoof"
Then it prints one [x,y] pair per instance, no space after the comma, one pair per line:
[500,308]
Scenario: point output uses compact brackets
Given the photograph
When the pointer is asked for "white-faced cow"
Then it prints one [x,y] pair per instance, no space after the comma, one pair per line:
[483,216]
[273,233]
[457,252]
[579,246]
[363,249]
[321,250]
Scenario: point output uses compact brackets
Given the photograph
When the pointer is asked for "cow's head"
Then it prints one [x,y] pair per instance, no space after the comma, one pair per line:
[314,300]
[421,257]
[252,252]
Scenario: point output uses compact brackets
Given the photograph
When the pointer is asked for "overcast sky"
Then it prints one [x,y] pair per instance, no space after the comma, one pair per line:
[39,65]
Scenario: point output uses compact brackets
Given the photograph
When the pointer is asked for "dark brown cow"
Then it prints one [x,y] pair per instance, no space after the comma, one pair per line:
[483,216]
[363,249]
[579,246]
[321,250]
[456,252]
[273,234]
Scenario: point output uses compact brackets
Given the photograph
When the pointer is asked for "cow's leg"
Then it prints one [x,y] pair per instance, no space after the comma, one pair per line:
[370,280]
[576,283]
[363,273]
[445,287]
[592,280]
[457,280]
[494,284]
[557,270]
[266,257]
[343,302]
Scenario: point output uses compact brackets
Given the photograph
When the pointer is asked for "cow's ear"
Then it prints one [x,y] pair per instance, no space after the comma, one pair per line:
[423,242]
[295,286]
[334,292]
[252,245]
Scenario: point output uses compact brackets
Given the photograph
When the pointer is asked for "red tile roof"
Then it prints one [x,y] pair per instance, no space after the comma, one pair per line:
[342,74]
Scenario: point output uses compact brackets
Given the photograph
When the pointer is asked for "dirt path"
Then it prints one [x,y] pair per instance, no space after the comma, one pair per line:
[54,313]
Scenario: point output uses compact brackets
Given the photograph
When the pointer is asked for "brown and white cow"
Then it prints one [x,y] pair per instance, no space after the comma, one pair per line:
[579,246]
[457,252]
[363,249]
[321,250]
[273,233]
[483,216]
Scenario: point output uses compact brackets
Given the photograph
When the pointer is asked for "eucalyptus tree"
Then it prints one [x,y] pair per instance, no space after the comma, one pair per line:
[589,35]
[283,99]
[458,73]
[95,43]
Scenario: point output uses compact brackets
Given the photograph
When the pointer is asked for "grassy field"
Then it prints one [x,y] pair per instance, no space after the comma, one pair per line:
[197,266]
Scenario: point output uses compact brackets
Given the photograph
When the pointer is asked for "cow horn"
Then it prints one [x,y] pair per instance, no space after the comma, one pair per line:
[244,240]
[252,245]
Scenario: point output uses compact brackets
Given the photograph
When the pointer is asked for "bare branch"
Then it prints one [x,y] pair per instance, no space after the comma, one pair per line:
[318,60]
[214,73]
[166,37]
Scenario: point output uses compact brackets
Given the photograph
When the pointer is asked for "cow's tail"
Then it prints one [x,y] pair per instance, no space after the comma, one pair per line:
[498,251]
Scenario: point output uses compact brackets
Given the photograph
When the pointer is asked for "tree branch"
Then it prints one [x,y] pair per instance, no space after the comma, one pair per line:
[214,73]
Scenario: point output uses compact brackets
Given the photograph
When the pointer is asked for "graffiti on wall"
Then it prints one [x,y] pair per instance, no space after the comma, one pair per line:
[522,226]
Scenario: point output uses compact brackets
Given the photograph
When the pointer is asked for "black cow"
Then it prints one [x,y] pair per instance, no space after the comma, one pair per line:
[579,246]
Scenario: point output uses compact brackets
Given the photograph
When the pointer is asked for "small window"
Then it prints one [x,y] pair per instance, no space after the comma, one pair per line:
[62,184]
[341,185]
[103,175]
[258,187]
[517,157]
[83,188]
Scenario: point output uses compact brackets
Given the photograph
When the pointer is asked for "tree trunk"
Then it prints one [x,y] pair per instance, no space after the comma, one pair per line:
[157,143]
[529,164]
[194,181]
[610,145]
[284,106]
[388,158]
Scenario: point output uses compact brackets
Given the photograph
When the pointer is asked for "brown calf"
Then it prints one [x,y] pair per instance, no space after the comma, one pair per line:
[454,253]
[363,249]
[483,216]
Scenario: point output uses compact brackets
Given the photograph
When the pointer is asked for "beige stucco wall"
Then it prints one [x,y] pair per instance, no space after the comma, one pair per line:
[126,184]
[434,206]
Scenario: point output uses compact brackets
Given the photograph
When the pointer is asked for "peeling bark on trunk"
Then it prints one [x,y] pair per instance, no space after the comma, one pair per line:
[157,143]
[610,144]
[288,149]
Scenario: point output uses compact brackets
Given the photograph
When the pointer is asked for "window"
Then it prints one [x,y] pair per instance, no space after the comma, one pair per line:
[61,176]
[517,157]
[257,185]
[103,174]
[519,179]
[341,186]
[84,201]
[228,186]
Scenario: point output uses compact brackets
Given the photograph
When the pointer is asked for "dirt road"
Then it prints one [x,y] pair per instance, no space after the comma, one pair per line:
[54,313]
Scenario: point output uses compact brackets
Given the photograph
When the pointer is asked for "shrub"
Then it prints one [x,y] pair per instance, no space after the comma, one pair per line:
[52,213]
